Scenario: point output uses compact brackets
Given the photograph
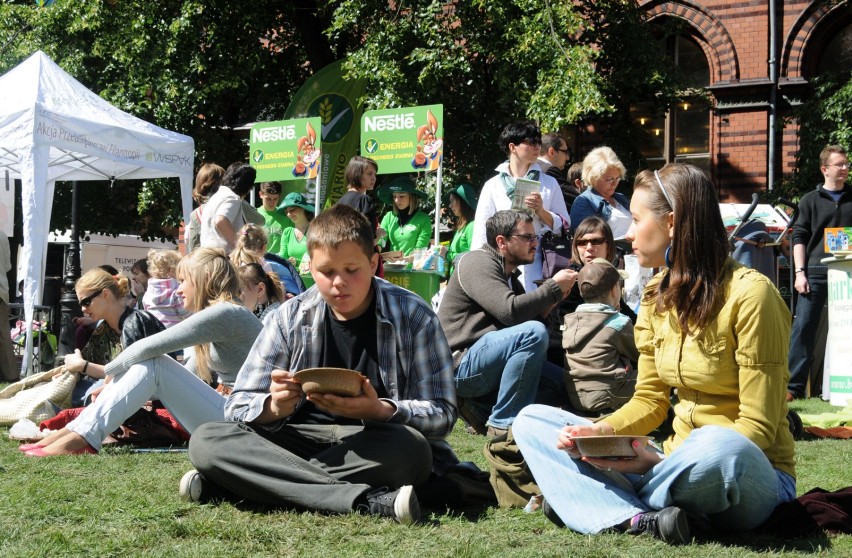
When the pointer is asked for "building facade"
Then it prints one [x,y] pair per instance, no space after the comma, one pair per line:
[756,58]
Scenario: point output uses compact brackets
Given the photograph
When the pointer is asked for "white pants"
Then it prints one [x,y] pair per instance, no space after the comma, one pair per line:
[191,401]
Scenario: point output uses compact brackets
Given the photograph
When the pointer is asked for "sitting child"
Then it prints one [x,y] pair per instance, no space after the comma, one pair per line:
[324,452]
[251,248]
[161,298]
[600,352]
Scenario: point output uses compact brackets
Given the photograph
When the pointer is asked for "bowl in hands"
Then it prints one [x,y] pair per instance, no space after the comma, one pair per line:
[337,381]
[608,446]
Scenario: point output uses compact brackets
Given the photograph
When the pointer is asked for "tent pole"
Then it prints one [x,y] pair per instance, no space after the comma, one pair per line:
[70,305]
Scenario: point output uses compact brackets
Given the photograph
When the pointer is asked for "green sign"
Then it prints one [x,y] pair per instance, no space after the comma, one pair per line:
[404,140]
[335,101]
[286,149]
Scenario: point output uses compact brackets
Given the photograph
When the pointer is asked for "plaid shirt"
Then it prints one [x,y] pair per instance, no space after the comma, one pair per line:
[414,359]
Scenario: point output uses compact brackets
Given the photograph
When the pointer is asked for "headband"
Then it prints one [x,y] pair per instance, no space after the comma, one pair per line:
[665,192]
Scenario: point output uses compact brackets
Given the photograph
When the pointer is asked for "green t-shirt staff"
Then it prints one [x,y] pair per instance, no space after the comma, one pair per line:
[463,207]
[294,244]
[407,227]
[275,223]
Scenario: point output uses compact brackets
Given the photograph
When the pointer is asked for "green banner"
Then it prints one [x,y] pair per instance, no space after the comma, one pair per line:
[285,149]
[404,140]
[336,102]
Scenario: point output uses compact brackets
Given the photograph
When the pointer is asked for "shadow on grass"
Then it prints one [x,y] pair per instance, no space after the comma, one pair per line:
[815,543]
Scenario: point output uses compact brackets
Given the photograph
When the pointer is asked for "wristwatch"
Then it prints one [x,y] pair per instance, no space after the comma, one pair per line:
[801,269]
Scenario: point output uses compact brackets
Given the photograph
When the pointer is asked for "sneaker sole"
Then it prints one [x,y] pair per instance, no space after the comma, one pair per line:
[406,507]
[190,486]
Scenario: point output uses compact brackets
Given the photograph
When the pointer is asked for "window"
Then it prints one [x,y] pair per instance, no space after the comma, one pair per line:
[837,56]
[681,134]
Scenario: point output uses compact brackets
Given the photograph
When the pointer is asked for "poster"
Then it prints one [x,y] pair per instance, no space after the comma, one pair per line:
[404,140]
[285,149]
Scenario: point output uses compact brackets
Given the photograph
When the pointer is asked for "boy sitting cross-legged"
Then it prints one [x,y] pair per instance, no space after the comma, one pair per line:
[325,452]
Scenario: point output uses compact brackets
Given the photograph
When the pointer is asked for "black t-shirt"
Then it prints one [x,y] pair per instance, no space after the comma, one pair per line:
[362,203]
[348,344]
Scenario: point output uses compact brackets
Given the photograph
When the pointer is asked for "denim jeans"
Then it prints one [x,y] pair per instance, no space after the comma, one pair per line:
[803,336]
[716,473]
[507,362]
[191,401]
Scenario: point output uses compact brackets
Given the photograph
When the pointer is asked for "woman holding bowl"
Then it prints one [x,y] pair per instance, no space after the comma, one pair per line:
[718,333]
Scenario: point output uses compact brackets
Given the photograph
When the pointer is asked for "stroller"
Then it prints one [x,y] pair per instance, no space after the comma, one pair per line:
[753,243]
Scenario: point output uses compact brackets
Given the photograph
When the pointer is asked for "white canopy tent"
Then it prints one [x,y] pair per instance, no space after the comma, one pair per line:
[54,129]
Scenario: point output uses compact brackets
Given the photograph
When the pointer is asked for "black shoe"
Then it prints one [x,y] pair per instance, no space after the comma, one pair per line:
[400,505]
[669,525]
[550,514]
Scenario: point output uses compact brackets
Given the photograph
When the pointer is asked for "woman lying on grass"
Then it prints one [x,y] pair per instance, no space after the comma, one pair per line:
[222,331]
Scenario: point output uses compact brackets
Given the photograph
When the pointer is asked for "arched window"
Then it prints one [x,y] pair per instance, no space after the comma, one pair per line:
[837,56]
[682,133]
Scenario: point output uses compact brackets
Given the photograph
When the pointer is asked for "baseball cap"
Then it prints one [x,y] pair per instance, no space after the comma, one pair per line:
[597,278]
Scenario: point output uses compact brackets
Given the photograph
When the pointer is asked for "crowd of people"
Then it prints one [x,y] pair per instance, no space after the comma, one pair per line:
[709,341]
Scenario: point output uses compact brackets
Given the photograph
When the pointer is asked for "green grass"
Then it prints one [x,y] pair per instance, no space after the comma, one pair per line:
[122,504]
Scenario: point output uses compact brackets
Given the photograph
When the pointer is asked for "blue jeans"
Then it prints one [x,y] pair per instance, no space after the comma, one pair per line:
[716,473]
[507,362]
[803,336]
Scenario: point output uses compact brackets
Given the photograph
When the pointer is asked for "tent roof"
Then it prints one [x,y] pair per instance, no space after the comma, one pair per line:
[52,128]
[89,139]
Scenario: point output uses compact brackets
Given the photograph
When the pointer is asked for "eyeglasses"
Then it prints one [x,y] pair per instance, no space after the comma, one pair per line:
[566,150]
[582,243]
[839,165]
[528,237]
[611,180]
[86,302]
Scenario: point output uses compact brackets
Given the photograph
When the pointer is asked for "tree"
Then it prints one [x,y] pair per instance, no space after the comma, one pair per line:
[202,68]
[824,119]
[493,61]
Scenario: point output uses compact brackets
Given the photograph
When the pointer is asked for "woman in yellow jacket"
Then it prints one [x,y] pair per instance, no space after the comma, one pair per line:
[407,226]
[719,334]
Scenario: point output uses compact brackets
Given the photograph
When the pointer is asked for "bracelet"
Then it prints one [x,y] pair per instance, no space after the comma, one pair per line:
[85,367]
[801,270]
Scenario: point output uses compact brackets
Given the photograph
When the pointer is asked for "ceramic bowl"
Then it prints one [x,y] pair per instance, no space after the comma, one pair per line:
[608,446]
[337,381]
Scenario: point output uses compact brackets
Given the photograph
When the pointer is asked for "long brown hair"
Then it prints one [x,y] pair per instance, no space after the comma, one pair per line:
[215,280]
[693,285]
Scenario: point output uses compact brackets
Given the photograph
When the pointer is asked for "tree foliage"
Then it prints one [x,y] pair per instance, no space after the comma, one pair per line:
[824,119]
[203,68]
[493,61]
[197,67]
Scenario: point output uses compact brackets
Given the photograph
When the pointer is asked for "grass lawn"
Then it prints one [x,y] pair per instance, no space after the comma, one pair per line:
[122,504]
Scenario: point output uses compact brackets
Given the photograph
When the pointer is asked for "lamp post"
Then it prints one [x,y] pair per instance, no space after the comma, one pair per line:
[69,303]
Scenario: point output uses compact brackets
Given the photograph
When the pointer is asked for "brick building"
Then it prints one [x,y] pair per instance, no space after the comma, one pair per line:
[755,58]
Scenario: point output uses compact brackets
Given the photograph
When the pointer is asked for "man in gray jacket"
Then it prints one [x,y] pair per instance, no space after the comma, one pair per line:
[494,327]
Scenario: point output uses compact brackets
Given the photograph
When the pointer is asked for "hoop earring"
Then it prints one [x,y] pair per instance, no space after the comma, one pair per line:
[669,262]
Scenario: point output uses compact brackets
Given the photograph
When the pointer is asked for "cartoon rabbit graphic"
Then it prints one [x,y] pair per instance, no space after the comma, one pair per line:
[428,155]
[306,165]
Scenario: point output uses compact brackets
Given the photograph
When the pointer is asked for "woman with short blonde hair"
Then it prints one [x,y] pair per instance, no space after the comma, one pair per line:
[602,173]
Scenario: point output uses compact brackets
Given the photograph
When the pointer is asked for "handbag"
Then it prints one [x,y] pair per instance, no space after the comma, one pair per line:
[556,252]
[38,397]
